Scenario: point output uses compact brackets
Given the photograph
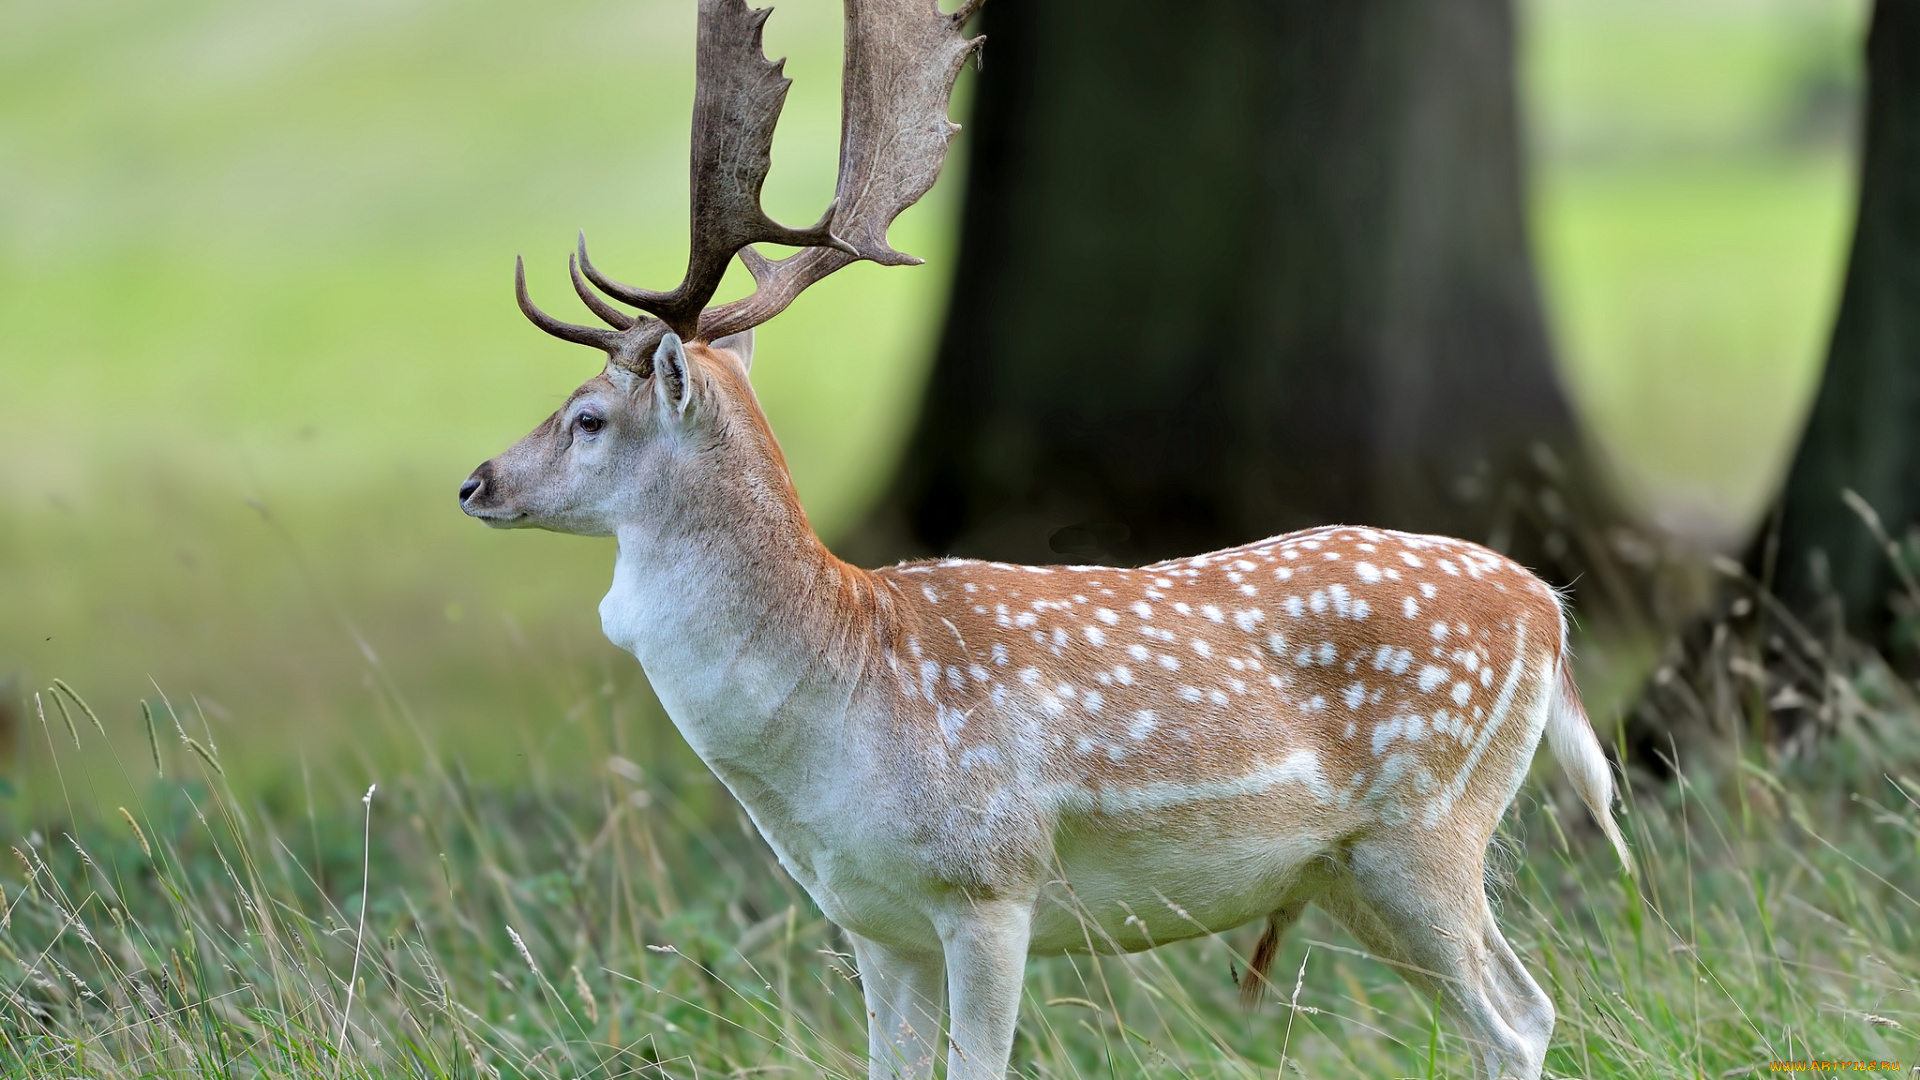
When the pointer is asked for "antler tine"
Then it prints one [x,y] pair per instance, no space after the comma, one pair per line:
[902,58]
[737,100]
[609,314]
[608,341]
[645,299]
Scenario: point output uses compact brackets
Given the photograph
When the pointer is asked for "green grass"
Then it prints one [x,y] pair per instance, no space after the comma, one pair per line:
[238,926]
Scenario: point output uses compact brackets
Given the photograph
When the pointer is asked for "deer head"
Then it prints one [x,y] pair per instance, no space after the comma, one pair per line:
[673,411]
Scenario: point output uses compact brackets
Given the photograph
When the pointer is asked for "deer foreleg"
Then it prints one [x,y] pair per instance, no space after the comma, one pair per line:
[905,1000]
[986,952]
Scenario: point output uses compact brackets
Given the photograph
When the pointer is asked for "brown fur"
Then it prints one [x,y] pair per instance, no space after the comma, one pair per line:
[1254,980]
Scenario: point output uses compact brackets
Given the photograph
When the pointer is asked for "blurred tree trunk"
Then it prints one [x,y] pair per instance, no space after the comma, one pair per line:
[1232,267]
[1739,672]
[1864,432]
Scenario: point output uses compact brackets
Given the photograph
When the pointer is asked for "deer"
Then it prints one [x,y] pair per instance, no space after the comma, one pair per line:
[966,763]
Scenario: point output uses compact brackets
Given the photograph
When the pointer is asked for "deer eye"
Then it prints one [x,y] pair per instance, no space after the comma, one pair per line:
[589,423]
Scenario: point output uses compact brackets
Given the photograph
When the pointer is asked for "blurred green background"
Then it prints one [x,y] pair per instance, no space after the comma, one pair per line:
[256,324]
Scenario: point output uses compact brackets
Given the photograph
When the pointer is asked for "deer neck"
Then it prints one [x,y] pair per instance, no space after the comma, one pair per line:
[728,605]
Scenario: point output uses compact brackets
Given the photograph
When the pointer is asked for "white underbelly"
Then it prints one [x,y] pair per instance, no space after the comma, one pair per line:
[1131,892]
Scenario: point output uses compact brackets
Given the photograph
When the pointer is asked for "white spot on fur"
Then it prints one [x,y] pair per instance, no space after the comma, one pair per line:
[1384,733]
[1439,631]
[1342,600]
[1410,607]
[1355,695]
[1106,615]
[979,755]
[1432,677]
[1368,572]
[951,721]
[1461,692]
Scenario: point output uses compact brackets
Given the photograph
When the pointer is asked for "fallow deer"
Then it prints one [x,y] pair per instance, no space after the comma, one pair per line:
[965,763]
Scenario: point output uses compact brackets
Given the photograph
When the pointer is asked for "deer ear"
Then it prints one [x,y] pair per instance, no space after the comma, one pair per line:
[740,345]
[671,381]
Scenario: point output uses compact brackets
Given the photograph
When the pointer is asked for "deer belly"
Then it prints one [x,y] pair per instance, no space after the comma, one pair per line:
[1133,890]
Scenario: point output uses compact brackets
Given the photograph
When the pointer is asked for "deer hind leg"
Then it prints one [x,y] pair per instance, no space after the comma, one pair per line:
[1428,917]
[1526,1007]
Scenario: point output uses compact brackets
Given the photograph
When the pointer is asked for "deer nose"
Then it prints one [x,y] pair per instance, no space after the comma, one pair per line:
[474,485]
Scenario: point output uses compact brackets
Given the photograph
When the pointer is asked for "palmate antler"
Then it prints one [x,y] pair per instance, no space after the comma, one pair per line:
[902,57]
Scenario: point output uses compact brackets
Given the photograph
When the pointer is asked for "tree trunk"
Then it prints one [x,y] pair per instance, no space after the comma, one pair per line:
[1227,268]
[1864,432]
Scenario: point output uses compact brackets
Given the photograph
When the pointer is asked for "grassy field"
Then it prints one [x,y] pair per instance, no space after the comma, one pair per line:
[620,919]
[255,326]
